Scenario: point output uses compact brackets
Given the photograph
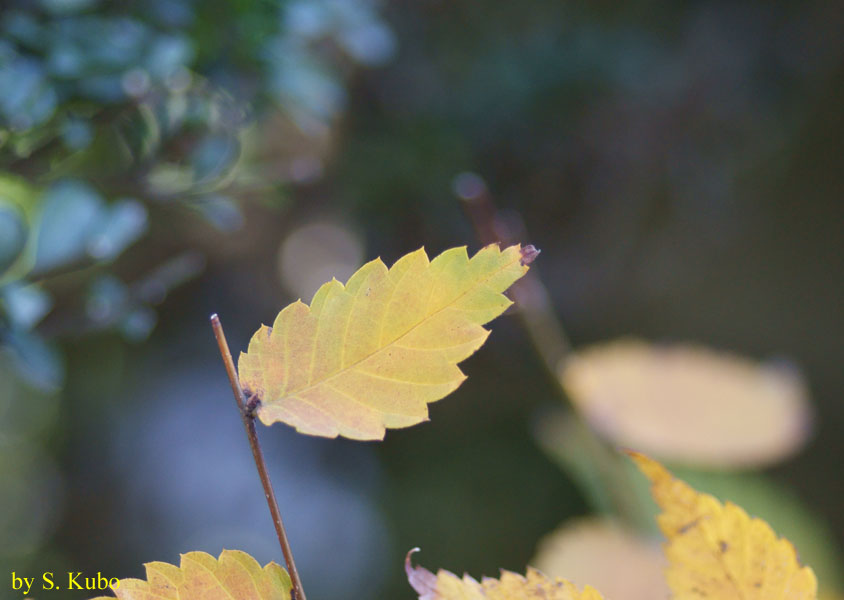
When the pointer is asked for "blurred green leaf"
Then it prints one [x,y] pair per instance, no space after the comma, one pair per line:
[25,304]
[213,156]
[13,234]
[107,301]
[138,324]
[168,178]
[222,212]
[119,226]
[604,477]
[66,6]
[17,191]
[77,133]
[70,213]
[565,439]
[37,361]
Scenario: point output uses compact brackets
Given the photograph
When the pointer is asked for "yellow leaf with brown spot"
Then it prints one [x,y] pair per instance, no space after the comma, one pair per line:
[511,586]
[200,576]
[373,353]
[716,550]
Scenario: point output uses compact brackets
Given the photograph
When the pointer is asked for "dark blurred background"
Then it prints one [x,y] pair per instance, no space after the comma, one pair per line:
[678,163]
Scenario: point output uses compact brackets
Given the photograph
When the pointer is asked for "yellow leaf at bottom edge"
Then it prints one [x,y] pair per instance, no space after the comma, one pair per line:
[200,576]
[717,551]
[512,586]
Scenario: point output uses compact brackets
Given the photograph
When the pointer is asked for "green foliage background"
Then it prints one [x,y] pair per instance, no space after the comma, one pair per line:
[678,163]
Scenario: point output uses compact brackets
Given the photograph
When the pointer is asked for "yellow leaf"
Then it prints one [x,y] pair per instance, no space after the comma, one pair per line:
[717,551]
[373,353]
[447,586]
[202,577]
[688,403]
[603,553]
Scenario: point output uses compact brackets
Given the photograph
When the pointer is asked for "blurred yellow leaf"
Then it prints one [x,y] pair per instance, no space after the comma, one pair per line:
[689,404]
[202,577]
[717,551]
[447,586]
[602,553]
[373,353]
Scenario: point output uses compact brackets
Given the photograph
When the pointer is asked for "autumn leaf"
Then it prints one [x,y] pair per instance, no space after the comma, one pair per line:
[200,576]
[512,586]
[688,403]
[373,353]
[717,551]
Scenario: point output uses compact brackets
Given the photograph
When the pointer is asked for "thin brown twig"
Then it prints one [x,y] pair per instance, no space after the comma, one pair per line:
[550,341]
[249,424]
[531,296]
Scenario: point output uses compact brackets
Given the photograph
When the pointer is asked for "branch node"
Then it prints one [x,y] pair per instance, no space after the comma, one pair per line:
[251,406]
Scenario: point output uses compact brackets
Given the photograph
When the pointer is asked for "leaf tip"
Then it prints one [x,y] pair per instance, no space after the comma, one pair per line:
[419,578]
[529,254]
[648,466]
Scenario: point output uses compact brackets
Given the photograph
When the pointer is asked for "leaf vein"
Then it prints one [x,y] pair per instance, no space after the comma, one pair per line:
[387,345]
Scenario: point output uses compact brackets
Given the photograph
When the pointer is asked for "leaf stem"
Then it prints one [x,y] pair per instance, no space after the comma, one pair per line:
[248,418]
[549,339]
[532,298]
